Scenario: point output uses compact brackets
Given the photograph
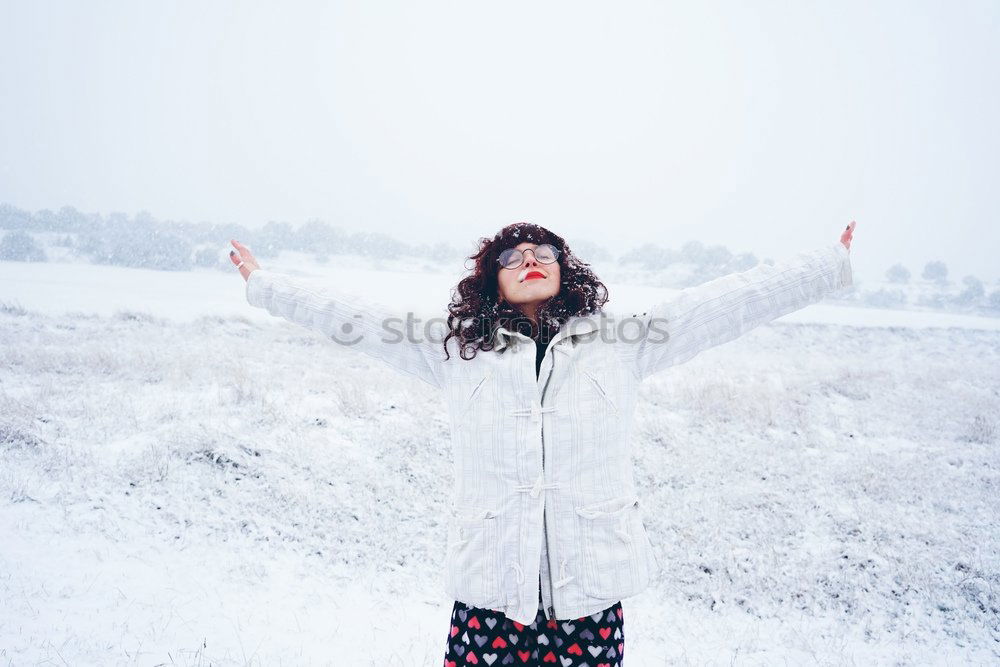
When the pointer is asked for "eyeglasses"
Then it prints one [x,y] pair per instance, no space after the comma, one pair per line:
[511,258]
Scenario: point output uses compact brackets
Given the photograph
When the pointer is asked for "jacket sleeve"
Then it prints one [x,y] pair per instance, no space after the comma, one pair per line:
[720,310]
[350,320]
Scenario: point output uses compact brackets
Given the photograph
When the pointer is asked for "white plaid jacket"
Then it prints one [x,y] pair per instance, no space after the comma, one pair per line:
[544,489]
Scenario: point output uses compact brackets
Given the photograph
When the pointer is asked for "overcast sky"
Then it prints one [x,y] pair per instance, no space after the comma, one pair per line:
[766,126]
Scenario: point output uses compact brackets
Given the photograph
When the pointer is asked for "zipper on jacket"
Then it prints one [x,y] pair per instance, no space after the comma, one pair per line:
[550,611]
[550,608]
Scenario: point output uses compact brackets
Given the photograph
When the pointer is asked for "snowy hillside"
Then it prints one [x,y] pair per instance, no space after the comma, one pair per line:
[185,480]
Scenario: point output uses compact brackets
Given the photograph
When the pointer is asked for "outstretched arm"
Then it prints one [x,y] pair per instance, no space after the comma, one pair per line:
[344,318]
[723,309]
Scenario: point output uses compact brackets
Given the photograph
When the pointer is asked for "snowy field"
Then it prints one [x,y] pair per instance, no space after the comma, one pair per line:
[185,480]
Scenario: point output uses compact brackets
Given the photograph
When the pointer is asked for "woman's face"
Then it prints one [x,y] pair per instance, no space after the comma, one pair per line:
[531,283]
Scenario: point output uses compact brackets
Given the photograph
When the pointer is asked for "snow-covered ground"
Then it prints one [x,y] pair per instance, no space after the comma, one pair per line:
[185,480]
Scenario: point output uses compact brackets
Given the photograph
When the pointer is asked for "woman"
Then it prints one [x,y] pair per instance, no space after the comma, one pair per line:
[541,385]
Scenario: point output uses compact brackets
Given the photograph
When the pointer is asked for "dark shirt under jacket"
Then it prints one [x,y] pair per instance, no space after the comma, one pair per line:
[539,353]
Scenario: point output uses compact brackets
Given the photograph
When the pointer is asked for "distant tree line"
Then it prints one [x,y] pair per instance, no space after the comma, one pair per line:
[703,262]
[973,290]
[144,241]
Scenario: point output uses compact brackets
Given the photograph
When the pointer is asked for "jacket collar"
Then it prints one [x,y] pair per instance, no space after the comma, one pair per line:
[577,325]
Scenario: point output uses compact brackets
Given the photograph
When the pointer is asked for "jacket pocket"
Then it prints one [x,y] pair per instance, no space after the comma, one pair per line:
[600,389]
[474,393]
[617,553]
[471,563]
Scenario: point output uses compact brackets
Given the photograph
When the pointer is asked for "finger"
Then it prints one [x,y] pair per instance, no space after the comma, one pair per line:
[245,253]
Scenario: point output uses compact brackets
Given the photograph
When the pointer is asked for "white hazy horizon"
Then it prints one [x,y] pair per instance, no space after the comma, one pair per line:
[765,129]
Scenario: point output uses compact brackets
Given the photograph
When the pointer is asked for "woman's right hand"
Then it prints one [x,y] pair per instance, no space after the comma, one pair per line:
[243,254]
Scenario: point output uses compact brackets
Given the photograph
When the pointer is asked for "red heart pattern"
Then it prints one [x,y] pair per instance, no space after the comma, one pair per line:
[478,636]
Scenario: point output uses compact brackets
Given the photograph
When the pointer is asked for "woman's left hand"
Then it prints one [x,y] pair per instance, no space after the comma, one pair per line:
[845,236]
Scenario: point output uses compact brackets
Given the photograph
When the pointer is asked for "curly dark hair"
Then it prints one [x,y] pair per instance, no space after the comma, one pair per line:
[475,311]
